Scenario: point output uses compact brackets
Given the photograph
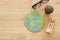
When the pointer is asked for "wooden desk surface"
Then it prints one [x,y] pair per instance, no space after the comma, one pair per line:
[13,13]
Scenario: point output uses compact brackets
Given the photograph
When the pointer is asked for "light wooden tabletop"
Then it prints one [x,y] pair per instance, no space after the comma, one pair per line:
[13,13]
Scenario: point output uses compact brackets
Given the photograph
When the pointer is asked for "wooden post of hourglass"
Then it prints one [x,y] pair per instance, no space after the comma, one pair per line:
[48,10]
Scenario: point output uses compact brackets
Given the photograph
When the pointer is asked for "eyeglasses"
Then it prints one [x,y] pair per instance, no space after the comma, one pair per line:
[35,6]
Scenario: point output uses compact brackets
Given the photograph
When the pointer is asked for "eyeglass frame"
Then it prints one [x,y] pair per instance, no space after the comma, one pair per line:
[42,1]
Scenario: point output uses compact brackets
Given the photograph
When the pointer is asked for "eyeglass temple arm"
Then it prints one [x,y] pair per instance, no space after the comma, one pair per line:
[34,6]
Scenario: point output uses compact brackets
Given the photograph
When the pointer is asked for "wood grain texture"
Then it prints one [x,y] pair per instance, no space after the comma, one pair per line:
[13,13]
